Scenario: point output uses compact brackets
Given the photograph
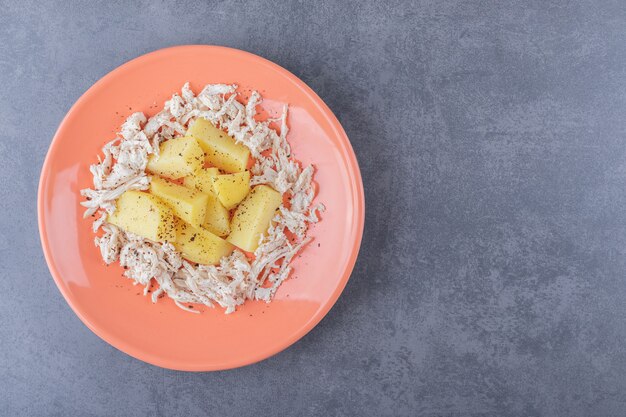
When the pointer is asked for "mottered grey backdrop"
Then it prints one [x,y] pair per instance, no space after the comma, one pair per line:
[492,276]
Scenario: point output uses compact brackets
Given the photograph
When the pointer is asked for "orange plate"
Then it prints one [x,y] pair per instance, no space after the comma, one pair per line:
[161,333]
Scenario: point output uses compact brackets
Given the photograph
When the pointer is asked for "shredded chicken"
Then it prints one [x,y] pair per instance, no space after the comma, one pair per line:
[236,279]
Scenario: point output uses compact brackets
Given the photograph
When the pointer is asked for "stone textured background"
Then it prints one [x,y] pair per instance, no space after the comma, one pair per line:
[491,136]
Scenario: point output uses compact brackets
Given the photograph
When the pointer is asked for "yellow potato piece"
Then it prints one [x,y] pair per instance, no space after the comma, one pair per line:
[177,158]
[221,150]
[199,245]
[253,216]
[189,205]
[202,179]
[217,218]
[232,188]
[145,215]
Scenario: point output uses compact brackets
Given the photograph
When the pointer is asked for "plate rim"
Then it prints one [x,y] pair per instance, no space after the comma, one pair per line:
[359,222]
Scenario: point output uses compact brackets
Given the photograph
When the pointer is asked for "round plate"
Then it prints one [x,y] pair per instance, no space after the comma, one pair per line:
[161,333]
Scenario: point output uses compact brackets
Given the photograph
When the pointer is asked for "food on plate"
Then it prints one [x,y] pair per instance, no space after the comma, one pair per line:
[202,179]
[200,245]
[232,188]
[144,215]
[177,158]
[220,149]
[217,218]
[188,204]
[202,200]
[253,216]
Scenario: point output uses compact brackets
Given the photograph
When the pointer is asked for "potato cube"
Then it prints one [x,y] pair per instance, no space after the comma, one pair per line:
[202,179]
[190,205]
[232,188]
[177,158]
[217,218]
[221,150]
[253,216]
[145,215]
[199,245]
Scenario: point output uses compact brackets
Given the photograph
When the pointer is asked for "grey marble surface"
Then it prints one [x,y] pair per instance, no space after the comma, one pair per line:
[492,277]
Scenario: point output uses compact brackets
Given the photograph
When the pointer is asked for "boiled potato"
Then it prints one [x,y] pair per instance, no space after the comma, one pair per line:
[145,215]
[190,205]
[177,158]
[202,179]
[232,188]
[221,150]
[253,217]
[200,245]
[217,218]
